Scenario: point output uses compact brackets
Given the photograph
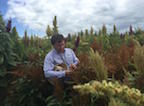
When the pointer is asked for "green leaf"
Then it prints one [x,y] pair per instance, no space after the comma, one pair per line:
[11,62]
[49,98]
[51,101]
[3,82]
[1,59]
[22,98]
[2,72]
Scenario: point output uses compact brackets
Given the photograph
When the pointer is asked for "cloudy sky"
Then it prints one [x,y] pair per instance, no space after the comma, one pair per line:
[72,15]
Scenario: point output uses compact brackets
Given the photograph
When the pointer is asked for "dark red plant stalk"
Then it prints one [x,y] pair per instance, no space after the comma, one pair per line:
[8,27]
[122,36]
[131,30]
[77,41]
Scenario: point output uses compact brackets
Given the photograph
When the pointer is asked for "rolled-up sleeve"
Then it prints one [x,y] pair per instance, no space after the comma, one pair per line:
[48,69]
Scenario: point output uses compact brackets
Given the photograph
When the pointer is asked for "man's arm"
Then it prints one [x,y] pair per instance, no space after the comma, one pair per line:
[75,59]
[73,66]
[48,69]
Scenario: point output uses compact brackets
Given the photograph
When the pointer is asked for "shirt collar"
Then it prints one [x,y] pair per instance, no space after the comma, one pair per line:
[59,53]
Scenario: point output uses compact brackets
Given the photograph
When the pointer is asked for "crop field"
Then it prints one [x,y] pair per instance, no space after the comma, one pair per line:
[110,73]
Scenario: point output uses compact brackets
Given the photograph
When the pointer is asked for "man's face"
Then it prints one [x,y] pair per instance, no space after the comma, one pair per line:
[60,46]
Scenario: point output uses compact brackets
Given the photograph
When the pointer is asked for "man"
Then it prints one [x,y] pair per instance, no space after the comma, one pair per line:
[59,55]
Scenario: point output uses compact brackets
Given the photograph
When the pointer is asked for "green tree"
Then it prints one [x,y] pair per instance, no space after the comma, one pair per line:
[14,34]
[104,30]
[91,31]
[26,39]
[7,58]
[95,33]
[17,44]
[81,33]
[100,32]
[55,27]
[114,29]
[49,31]
[32,41]
[69,37]
[86,32]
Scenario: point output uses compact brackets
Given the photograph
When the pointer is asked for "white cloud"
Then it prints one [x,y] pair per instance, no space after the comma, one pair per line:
[74,15]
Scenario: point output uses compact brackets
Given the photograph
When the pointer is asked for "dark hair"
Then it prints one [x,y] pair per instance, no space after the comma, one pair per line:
[56,38]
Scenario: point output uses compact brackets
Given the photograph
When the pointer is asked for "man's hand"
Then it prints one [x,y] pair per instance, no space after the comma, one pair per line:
[73,67]
[68,72]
